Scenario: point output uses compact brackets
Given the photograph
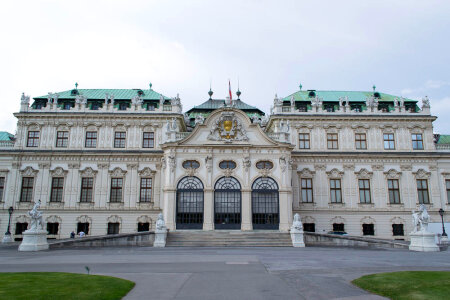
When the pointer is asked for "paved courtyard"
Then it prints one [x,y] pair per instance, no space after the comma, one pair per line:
[230,273]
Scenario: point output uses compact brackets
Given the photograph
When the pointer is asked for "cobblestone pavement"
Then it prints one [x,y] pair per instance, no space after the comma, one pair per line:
[230,273]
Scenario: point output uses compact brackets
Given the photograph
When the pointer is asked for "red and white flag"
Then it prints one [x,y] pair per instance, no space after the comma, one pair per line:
[229,90]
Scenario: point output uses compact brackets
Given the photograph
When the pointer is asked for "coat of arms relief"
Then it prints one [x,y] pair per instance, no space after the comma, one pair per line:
[227,128]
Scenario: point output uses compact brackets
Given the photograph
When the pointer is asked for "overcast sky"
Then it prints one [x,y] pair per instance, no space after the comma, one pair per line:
[402,47]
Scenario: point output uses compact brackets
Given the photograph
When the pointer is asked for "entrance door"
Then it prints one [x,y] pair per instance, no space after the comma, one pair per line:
[265,206]
[190,203]
[227,203]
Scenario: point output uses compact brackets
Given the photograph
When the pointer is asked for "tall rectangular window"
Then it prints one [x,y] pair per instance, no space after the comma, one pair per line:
[447,186]
[52,228]
[83,227]
[332,141]
[91,139]
[87,185]
[62,139]
[417,141]
[307,190]
[57,189]
[335,191]
[397,230]
[146,190]
[113,228]
[338,227]
[21,227]
[389,143]
[303,141]
[364,190]
[119,139]
[26,193]
[394,191]
[148,140]
[33,139]
[368,229]
[360,141]
[422,191]
[2,187]
[116,189]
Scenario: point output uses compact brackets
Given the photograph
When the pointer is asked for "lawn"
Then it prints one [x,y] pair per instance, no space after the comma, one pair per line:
[54,285]
[407,285]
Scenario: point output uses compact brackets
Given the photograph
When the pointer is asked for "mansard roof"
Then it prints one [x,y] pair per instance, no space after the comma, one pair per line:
[213,104]
[333,96]
[6,136]
[100,94]
[444,139]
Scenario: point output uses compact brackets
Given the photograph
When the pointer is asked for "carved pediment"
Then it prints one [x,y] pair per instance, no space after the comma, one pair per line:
[306,173]
[88,172]
[117,172]
[422,174]
[29,172]
[335,173]
[227,128]
[114,219]
[58,172]
[364,174]
[53,219]
[146,172]
[367,220]
[84,219]
[393,174]
[144,219]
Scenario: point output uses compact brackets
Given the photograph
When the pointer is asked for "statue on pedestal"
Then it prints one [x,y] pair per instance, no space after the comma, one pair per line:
[160,232]
[421,238]
[35,238]
[297,232]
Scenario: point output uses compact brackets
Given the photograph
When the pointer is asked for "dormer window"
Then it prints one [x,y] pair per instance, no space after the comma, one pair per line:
[74,92]
[377,95]
[312,94]
[123,106]
[94,106]
[67,106]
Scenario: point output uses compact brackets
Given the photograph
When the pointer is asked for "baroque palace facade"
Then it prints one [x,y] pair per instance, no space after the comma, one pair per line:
[109,161]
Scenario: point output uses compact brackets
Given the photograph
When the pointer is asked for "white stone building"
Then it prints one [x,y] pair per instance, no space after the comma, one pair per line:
[108,161]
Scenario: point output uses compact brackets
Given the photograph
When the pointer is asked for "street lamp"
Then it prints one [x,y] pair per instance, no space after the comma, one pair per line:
[441,213]
[7,237]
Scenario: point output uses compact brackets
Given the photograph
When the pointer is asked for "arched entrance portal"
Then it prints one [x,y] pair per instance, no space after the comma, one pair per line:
[227,203]
[265,204]
[190,203]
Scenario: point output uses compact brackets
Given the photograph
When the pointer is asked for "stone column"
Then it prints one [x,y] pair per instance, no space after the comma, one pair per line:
[246,210]
[170,207]
[208,210]
[285,209]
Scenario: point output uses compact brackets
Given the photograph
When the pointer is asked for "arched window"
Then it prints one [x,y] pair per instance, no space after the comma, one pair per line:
[227,203]
[190,203]
[265,206]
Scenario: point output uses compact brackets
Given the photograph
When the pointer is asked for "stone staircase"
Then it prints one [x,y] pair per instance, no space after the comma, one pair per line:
[228,238]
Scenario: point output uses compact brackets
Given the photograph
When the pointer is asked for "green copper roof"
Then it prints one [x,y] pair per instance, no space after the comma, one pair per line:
[444,139]
[6,136]
[335,95]
[213,104]
[100,94]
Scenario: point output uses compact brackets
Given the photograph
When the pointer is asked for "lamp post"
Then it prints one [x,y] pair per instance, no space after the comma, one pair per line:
[7,237]
[441,213]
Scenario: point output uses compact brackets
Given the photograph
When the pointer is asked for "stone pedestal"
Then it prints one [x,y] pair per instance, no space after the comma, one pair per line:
[34,240]
[444,240]
[7,239]
[160,238]
[423,241]
[297,238]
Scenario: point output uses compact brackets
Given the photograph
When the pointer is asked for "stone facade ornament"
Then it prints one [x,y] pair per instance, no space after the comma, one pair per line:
[246,163]
[160,232]
[372,104]
[199,119]
[80,99]
[146,172]
[29,172]
[25,99]
[136,100]
[35,238]
[421,239]
[227,128]
[171,130]
[208,163]
[297,232]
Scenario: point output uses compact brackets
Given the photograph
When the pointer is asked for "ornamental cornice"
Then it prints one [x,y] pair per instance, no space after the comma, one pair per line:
[406,167]
[335,173]
[392,174]
[58,172]
[306,173]
[363,174]
[117,172]
[422,174]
